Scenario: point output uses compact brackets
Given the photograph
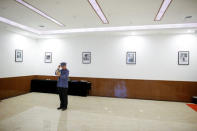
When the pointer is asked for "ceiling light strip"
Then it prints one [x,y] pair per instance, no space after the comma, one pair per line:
[39,12]
[23,27]
[164,6]
[98,11]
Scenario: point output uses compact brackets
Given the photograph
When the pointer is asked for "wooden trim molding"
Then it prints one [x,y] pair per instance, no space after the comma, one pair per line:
[181,91]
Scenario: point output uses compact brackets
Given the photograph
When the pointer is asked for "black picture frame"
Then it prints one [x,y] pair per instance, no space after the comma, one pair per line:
[48,57]
[18,55]
[183,60]
[88,58]
[129,60]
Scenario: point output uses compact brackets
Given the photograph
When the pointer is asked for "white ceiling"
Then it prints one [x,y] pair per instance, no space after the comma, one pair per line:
[79,13]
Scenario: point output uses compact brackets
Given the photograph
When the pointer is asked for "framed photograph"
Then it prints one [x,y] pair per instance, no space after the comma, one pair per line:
[131,58]
[86,57]
[18,55]
[48,57]
[183,57]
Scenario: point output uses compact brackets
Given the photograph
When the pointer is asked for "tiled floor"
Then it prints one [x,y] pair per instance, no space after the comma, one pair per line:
[37,112]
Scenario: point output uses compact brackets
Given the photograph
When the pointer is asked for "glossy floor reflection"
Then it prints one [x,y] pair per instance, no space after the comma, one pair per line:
[37,112]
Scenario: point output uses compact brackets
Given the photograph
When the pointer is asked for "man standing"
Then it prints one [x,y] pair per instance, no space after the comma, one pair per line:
[62,85]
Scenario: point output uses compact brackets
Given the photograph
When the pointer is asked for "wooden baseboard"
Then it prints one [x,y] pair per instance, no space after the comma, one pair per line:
[181,91]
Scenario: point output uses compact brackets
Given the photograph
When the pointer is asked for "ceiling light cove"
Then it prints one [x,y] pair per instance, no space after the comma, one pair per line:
[165,4]
[20,26]
[39,12]
[98,11]
[101,29]
[122,28]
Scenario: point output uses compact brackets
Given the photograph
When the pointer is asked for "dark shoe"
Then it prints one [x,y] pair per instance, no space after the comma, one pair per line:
[64,108]
[59,108]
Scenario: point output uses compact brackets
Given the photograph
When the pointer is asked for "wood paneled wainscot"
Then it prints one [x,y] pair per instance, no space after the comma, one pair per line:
[108,87]
[14,86]
[140,89]
[143,89]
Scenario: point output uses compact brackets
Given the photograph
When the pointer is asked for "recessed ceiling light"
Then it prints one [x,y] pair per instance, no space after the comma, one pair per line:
[98,11]
[39,12]
[133,33]
[190,31]
[165,4]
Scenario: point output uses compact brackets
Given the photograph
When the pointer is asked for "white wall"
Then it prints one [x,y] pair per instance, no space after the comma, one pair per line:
[10,41]
[156,56]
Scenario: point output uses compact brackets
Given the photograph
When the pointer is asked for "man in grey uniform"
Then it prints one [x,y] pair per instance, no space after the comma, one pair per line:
[62,85]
